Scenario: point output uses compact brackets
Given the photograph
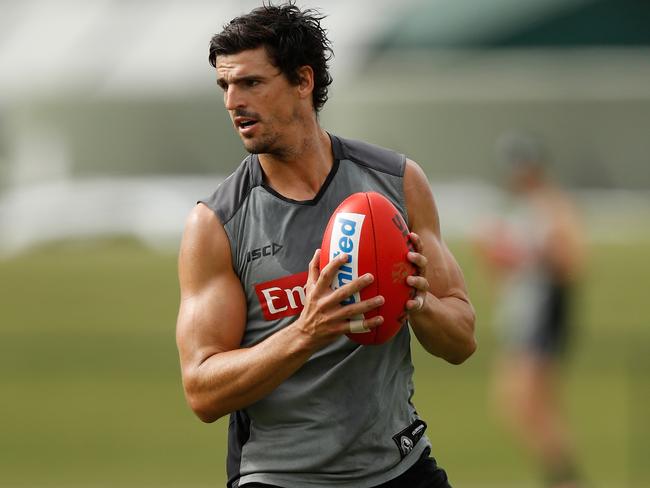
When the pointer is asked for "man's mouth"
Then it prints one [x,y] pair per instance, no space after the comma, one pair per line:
[245,124]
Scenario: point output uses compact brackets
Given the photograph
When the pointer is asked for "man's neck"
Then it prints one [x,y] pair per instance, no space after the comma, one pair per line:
[300,174]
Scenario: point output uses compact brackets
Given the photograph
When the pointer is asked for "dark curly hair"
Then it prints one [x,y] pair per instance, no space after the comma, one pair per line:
[292,38]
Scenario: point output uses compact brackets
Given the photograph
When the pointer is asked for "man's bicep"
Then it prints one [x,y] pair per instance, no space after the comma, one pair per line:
[456,286]
[212,312]
[443,272]
[211,322]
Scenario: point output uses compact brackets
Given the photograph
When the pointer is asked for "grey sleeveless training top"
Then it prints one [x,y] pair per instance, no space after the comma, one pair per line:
[345,418]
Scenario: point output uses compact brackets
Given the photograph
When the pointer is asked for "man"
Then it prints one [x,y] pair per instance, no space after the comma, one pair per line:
[535,253]
[261,334]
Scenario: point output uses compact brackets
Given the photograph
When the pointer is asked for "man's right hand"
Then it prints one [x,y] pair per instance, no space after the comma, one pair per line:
[323,318]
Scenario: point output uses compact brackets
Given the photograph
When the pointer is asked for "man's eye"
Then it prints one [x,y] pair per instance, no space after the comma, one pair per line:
[252,83]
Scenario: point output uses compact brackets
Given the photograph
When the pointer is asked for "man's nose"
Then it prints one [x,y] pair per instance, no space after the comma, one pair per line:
[233,98]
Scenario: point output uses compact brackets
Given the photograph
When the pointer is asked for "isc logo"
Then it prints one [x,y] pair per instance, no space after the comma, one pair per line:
[345,238]
[268,250]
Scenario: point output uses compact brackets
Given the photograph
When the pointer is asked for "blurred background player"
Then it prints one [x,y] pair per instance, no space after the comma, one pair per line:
[535,254]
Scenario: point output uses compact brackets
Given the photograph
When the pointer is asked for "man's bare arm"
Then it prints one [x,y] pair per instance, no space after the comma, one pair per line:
[563,249]
[219,377]
[441,316]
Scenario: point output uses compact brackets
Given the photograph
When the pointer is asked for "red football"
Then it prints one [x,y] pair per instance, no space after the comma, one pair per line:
[369,228]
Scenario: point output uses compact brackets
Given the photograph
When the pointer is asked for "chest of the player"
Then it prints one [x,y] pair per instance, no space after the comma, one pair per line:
[274,245]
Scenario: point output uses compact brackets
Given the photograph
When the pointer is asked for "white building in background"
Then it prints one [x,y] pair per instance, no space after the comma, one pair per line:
[115,50]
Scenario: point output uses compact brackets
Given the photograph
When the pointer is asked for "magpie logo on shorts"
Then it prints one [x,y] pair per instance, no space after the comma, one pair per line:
[409,437]
[406,444]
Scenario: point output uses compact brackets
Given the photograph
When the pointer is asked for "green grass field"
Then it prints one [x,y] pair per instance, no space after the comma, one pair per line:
[91,393]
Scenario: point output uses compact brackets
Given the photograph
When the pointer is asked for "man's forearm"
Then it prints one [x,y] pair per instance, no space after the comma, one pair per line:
[231,380]
[445,328]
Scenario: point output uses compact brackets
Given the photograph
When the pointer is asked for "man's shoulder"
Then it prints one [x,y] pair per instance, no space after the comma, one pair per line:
[232,192]
[370,155]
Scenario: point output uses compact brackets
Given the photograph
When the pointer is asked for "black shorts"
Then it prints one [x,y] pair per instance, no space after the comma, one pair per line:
[552,334]
[534,317]
[425,473]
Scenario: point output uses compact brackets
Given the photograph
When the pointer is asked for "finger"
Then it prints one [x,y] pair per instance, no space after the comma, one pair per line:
[314,270]
[357,309]
[419,260]
[416,304]
[359,325]
[420,283]
[329,271]
[342,293]
[417,241]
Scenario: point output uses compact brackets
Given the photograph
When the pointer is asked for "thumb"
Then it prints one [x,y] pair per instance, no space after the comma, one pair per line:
[314,269]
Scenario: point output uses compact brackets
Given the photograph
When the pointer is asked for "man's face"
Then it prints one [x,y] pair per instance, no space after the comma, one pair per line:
[524,176]
[262,104]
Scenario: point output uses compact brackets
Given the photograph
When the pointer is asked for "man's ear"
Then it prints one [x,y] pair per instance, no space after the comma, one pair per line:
[306,81]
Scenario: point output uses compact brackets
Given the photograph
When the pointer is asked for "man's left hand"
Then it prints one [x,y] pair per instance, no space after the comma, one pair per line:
[419,281]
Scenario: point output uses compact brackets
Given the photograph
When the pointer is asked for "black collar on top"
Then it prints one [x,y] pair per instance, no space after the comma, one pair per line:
[337,152]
